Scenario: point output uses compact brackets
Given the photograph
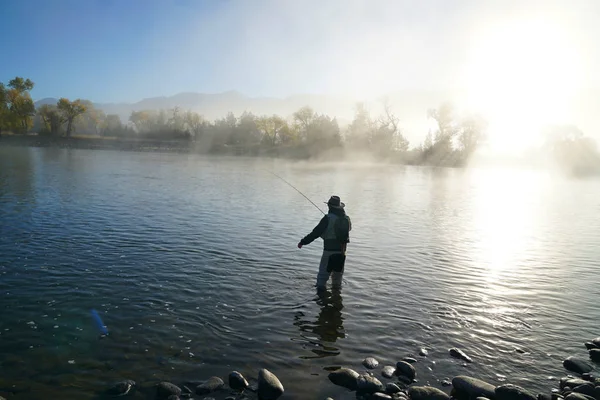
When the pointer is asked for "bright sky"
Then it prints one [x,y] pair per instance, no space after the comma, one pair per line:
[532,55]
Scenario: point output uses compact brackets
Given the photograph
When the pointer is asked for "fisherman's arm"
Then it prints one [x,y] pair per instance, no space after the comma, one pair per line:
[316,232]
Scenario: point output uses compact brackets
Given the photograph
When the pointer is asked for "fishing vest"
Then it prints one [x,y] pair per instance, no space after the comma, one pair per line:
[330,241]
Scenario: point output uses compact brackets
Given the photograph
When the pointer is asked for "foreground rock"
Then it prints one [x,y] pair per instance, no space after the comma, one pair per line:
[458,353]
[269,387]
[369,384]
[577,365]
[571,382]
[237,381]
[166,389]
[513,392]
[409,360]
[345,377]
[370,363]
[473,387]
[213,384]
[405,369]
[388,371]
[595,354]
[587,389]
[578,396]
[380,396]
[596,341]
[392,388]
[590,345]
[122,388]
[426,393]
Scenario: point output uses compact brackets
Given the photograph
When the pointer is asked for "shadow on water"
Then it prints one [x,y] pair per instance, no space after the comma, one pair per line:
[326,329]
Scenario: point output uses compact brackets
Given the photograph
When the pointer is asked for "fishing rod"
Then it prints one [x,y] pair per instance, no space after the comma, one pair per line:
[311,202]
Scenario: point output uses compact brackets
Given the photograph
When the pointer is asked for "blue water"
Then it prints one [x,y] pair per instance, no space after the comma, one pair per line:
[191,263]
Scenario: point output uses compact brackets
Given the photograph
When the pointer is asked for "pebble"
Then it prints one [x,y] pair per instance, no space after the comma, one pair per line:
[388,371]
[474,387]
[166,389]
[369,384]
[370,363]
[392,388]
[426,393]
[446,382]
[423,352]
[577,365]
[513,392]
[405,369]
[213,384]
[458,353]
[269,386]
[237,381]
[345,377]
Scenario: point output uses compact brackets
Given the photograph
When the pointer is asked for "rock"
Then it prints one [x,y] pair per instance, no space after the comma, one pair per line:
[380,396]
[595,354]
[423,352]
[405,369]
[543,396]
[577,365]
[392,388]
[426,393]
[588,377]
[369,384]
[345,377]
[557,396]
[513,392]
[458,353]
[122,388]
[597,392]
[370,363]
[269,387]
[166,389]
[587,389]
[404,380]
[597,381]
[173,397]
[570,382]
[596,341]
[473,387]
[409,360]
[213,384]
[237,381]
[578,396]
[388,371]
[590,345]
[446,382]
[482,398]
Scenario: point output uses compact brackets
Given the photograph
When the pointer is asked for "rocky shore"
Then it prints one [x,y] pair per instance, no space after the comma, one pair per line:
[387,382]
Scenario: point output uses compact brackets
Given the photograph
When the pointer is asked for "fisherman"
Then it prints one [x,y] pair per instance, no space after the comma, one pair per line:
[334,228]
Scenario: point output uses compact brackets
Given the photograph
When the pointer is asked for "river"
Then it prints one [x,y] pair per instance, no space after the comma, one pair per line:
[191,262]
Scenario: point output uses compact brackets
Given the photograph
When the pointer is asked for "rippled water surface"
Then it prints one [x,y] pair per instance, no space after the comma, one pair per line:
[192,263]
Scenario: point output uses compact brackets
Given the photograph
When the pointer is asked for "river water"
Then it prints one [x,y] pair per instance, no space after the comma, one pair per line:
[192,264]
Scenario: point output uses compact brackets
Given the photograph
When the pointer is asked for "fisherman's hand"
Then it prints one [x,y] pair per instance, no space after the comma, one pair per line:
[299,245]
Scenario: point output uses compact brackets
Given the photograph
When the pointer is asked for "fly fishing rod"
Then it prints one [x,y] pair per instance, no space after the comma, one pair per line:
[311,202]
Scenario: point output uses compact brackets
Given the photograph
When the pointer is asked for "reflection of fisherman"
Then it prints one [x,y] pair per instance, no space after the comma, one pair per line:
[334,228]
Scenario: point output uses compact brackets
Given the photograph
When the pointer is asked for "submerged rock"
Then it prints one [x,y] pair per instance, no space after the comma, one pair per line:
[595,354]
[423,352]
[513,392]
[473,387]
[166,389]
[409,360]
[596,341]
[269,387]
[577,365]
[369,384]
[392,388]
[388,371]
[213,384]
[370,363]
[405,369]
[345,377]
[458,353]
[237,381]
[426,393]
[122,388]
[590,345]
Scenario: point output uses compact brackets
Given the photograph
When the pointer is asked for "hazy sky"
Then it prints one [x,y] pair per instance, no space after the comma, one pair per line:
[126,50]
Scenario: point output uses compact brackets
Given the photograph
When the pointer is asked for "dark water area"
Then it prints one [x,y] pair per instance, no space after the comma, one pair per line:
[192,264]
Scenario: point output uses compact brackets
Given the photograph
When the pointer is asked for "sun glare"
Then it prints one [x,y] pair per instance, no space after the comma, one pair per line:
[521,76]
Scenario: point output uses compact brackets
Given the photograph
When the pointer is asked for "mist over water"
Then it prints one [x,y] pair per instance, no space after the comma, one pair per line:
[192,264]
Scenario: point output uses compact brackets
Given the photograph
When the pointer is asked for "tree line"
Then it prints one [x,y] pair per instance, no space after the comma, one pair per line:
[451,141]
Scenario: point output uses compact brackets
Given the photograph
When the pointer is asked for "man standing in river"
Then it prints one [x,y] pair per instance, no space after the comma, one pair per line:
[334,228]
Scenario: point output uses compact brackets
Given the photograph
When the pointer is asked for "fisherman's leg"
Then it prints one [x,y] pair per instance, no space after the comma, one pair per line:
[336,280]
[323,275]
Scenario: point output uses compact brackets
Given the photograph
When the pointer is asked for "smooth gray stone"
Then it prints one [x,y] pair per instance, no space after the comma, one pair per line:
[426,393]
[369,384]
[513,392]
[423,352]
[380,396]
[588,377]
[213,384]
[409,360]
[595,354]
[544,396]
[405,369]
[370,363]
[345,377]
[458,353]
[590,345]
[269,386]
[388,371]
[446,382]
[166,389]
[596,341]
[392,388]
[557,396]
[597,392]
[122,388]
[482,398]
[587,389]
[578,396]
[237,381]
[474,387]
[571,382]
[577,365]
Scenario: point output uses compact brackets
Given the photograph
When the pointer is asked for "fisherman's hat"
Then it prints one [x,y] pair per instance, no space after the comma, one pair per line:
[334,202]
